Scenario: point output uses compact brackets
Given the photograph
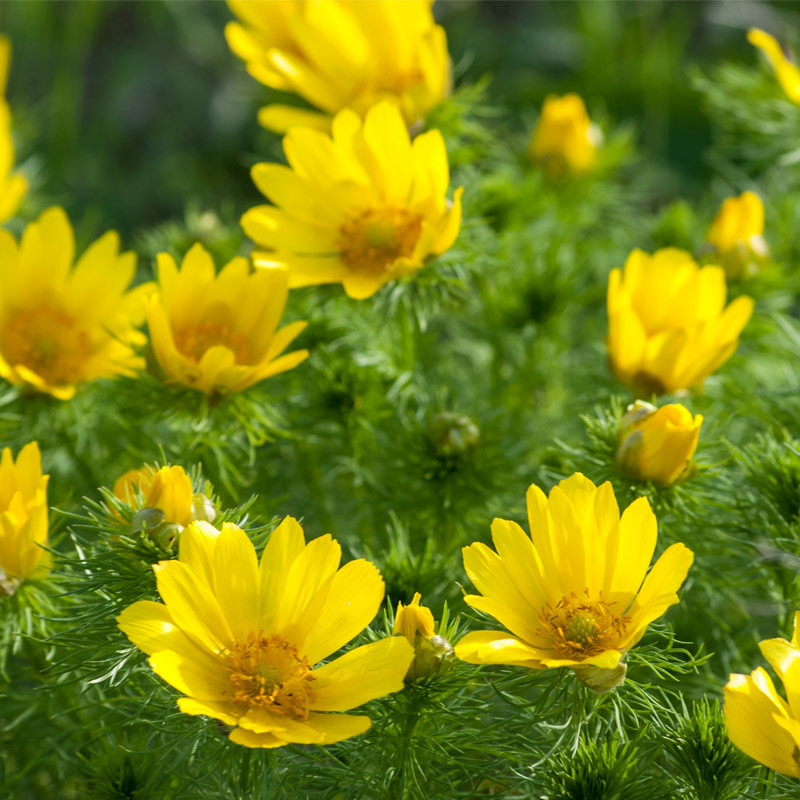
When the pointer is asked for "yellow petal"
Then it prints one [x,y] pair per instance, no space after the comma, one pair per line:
[497,647]
[370,671]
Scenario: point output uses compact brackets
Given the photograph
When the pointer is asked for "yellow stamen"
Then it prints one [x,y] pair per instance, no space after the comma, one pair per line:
[48,342]
[268,672]
[194,340]
[579,628]
[376,238]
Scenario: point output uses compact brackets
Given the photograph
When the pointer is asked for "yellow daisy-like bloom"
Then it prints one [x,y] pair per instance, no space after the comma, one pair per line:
[574,592]
[788,73]
[168,489]
[240,638]
[657,444]
[759,721]
[737,234]
[565,140]
[361,207]
[338,55]
[667,325]
[218,333]
[12,186]
[23,518]
[62,325]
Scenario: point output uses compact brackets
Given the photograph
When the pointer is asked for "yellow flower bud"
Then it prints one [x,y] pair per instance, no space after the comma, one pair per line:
[565,140]
[432,654]
[737,235]
[23,518]
[168,489]
[657,444]
[787,72]
[412,619]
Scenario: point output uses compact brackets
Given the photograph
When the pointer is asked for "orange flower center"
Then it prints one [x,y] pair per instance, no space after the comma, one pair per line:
[268,672]
[579,628]
[194,340]
[376,238]
[48,342]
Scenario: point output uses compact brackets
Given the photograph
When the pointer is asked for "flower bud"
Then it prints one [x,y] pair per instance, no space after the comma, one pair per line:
[433,653]
[453,433]
[565,140]
[737,235]
[657,444]
[202,508]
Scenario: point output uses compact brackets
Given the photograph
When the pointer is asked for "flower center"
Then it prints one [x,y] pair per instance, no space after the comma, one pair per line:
[268,672]
[46,341]
[194,340]
[376,238]
[581,627]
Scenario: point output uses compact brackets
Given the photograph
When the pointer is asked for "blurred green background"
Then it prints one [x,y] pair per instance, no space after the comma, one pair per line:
[128,113]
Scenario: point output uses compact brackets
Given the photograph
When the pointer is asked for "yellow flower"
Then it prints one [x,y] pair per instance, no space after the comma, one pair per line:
[12,186]
[217,333]
[667,329]
[432,654]
[787,72]
[23,518]
[168,489]
[240,640]
[574,592]
[759,721]
[737,234]
[340,55]
[62,325]
[657,444]
[361,207]
[565,139]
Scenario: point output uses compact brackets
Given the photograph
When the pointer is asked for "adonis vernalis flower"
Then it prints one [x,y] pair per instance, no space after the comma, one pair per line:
[432,653]
[240,638]
[339,55]
[62,325]
[759,721]
[657,444]
[576,592]
[360,207]
[12,185]
[565,140]
[23,518]
[218,333]
[788,72]
[667,325]
[168,489]
[737,234]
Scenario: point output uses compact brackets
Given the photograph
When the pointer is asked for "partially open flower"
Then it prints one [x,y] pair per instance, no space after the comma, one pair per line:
[219,333]
[239,638]
[759,721]
[432,653]
[565,140]
[361,207]
[576,592]
[657,444]
[339,55]
[12,185]
[668,328]
[787,71]
[737,235]
[62,325]
[23,518]
[165,502]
